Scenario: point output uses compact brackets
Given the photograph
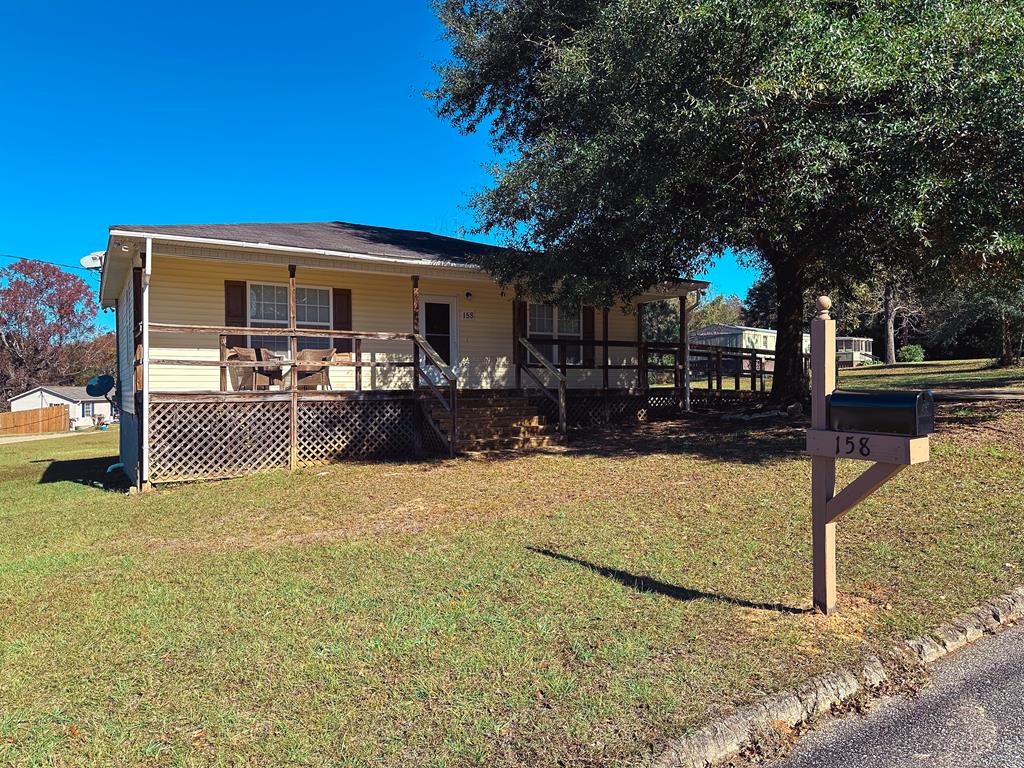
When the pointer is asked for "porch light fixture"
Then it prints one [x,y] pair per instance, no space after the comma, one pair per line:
[469,295]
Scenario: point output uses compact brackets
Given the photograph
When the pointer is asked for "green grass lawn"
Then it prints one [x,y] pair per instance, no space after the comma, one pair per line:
[945,374]
[572,608]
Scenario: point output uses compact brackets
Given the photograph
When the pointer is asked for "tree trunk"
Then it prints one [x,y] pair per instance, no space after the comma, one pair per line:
[788,383]
[889,318]
[1006,353]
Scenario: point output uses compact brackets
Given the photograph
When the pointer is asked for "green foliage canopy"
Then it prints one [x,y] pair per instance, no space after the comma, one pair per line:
[642,138]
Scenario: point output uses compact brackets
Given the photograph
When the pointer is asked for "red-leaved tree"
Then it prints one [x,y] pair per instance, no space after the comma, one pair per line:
[47,329]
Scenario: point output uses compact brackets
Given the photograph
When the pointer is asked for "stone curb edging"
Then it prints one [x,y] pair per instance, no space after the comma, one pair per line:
[728,737]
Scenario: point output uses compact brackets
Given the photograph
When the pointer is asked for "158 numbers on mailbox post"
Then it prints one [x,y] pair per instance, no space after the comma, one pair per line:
[848,445]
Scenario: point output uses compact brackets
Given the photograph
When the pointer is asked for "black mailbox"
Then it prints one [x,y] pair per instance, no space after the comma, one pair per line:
[894,413]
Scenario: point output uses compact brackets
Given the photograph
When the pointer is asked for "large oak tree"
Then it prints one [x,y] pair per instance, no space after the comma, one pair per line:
[639,139]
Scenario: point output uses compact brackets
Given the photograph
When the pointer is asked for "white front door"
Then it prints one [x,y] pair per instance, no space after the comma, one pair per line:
[439,327]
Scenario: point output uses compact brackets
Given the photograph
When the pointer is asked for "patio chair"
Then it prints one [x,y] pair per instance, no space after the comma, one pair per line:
[274,374]
[247,378]
[314,376]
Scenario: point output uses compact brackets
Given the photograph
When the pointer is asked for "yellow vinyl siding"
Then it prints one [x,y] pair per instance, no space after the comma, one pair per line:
[190,291]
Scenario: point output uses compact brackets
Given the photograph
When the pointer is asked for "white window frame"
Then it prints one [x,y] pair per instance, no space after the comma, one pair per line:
[556,333]
[88,410]
[312,326]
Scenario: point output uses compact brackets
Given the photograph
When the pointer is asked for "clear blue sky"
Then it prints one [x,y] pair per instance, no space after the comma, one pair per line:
[170,113]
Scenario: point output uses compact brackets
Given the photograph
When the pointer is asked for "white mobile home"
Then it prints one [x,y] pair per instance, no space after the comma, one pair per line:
[850,350]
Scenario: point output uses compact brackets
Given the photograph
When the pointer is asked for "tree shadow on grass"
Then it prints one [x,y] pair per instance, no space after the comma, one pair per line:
[91,472]
[701,435]
[645,584]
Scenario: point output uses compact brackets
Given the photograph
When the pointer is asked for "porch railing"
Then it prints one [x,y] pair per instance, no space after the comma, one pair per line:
[451,403]
[356,359]
[657,364]
[560,379]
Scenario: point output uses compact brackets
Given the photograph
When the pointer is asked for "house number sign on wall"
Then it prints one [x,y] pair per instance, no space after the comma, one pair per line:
[469,314]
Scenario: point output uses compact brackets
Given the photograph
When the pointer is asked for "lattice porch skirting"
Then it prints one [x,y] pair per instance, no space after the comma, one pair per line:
[200,439]
[595,408]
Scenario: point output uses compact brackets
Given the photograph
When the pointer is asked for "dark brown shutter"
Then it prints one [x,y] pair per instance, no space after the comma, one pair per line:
[588,335]
[234,310]
[343,317]
[519,332]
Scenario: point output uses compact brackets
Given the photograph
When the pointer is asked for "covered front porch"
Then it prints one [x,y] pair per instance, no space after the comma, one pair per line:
[400,394]
[238,357]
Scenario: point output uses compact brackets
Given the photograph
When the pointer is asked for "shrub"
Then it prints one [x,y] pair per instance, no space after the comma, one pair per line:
[910,353]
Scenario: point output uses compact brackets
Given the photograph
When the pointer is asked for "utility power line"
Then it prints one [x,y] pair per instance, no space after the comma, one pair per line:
[80,268]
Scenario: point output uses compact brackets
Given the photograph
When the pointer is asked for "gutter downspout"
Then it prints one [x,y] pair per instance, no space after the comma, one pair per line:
[147,271]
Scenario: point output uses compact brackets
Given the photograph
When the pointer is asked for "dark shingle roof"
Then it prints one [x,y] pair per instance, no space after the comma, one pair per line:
[334,236]
[76,394]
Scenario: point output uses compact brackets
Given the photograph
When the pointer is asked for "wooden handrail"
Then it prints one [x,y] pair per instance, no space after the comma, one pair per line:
[545,363]
[559,377]
[452,406]
[664,347]
[540,385]
[435,358]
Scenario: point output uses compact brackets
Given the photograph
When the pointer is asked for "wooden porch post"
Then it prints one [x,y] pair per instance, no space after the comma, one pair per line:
[415,329]
[684,331]
[223,368]
[641,354]
[357,349]
[293,348]
[604,349]
[517,351]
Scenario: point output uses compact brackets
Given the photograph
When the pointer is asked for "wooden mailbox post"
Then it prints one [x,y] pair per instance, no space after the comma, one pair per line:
[889,454]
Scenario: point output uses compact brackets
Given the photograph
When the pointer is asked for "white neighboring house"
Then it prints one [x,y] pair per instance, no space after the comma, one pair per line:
[850,350]
[83,408]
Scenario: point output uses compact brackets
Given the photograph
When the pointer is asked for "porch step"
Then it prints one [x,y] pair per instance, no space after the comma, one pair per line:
[474,407]
[490,431]
[497,422]
[507,443]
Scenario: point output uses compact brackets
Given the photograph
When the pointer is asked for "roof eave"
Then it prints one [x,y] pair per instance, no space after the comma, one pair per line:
[244,245]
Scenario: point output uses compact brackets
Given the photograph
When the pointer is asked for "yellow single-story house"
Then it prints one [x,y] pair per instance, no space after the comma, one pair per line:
[248,346]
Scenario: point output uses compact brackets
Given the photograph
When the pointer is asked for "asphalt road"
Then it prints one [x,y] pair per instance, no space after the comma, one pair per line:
[971,715]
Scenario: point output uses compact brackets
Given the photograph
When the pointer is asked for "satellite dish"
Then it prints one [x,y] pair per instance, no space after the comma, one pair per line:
[92,261]
[98,386]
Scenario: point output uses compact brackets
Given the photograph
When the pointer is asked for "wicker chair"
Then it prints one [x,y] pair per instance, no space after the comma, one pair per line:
[245,378]
[314,376]
[273,374]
